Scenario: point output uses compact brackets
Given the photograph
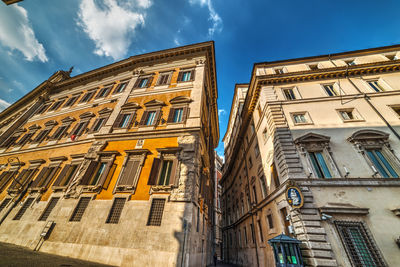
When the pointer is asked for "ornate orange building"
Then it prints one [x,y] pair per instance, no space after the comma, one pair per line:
[115,165]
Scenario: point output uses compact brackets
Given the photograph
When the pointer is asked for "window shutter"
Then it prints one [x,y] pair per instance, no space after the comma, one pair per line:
[74,129]
[89,172]
[157,117]
[154,171]
[144,116]
[117,121]
[62,175]
[5,178]
[94,125]
[108,90]
[137,82]
[150,81]
[131,119]
[18,178]
[105,174]
[130,171]
[180,75]
[171,115]
[40,176]
[83,128]
[192,75]
[185,113]
[50,177]
[172,179]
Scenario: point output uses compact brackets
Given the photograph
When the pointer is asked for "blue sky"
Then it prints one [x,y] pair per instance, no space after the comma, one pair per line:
[38,39]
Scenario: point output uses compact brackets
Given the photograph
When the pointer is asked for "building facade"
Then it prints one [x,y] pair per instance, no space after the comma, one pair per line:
[115,165]
[217,207]
[328,125]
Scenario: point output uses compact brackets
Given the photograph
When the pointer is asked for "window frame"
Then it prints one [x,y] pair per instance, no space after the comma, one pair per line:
[356,115]
[72,100]
[104,91]
[305,114]
[168,80]
[332,89]
[293,95]
[377,84]
[140,79]
[165,154]
[119,85]
[181,73]
[89,95]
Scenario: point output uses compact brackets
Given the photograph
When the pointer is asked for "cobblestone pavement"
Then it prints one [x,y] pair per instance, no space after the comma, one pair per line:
[15,256]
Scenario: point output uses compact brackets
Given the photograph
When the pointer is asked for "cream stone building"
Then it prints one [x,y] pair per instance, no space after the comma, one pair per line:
[115,165]
[329,125]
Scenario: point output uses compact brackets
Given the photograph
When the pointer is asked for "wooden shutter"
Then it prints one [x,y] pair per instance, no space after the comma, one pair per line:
[40,176]
[83,128]
[5,178]
[129,173]
[131,119]
[137,82]
[104,176]
[89,172]
[180,76]
[18,178]
[185,113]
[74,129]
[62,175]
[172,179]
[149,82]
[171,115]
[50,177]
[154,171]
[157,117]
[192,75]
[144,117]
[117,121]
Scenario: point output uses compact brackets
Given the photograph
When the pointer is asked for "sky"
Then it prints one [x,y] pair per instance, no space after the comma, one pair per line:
[39,37]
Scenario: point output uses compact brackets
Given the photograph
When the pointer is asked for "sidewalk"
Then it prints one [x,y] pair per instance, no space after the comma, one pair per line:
[15,256]
[223,264]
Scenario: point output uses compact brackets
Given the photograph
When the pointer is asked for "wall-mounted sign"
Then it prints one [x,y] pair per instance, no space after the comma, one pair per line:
[294,197]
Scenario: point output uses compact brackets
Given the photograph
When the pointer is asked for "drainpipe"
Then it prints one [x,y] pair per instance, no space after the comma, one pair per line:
[253,231]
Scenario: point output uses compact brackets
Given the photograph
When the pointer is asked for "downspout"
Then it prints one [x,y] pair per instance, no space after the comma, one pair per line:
[253,231]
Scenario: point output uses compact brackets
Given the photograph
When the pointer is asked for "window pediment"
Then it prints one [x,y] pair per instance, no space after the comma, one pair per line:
[34,127]
[180,99]
[312,138]
[130,105]
[68,119]
[51,123]
[105,111]
[154,103]
[86,115]
[368,135]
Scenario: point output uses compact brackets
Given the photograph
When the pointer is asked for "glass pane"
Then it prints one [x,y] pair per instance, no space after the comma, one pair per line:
[377,164]
[178,115]
[361,247]
[315,165]
[386,163]
[125,120]
[165,172]
[323,165]
[98,173]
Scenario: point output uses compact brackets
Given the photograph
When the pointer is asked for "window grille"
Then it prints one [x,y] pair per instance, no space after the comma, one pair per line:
[359,245]
[80,209]
[116,210]
[156,212]
[22,210]
[4,203]
[49,208]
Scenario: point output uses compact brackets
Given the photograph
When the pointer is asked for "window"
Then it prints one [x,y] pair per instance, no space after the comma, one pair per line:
[79,128]
[265,134]
[156,212]
[350,62]
[23,209]
[130,174]
[144,82]
[22,179]
[56,105]
[66,175]
[49,208]
[26,138]
[5,178]
[44,178]
[255,194]
[375,86]
[250,162]
[261,232]
[60,132]
[42,135]
[87,97]
[289,94]
[43,108]
[98,124]
[10,141]
[116,210]
[252,233]
[349,115]
[256,150]
[264,189]
[245,234]
[313,66]
[330,90]
[358,243]
[120,87]
[381,164]
[71,101]
[80,209]
[319,165]
[4,203]
[279,71]
[163,171]
[270,221]
[163,78]
[186,76]
[300,118]
[397,110]
[124,121]
[150,118]
[198,220]
[104,92]
[274,175]
[98,173]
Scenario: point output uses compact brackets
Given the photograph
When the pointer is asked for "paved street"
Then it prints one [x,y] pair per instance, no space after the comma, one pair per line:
[221,264]
[15,256]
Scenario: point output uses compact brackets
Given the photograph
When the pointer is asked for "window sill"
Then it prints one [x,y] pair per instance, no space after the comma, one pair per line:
[59,188]
[146,127]
[303,123]
[120,130]
[355,120]
[161,189]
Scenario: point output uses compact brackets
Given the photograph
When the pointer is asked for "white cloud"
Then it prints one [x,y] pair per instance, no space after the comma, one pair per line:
[176,41]
[214,17]
[3,104]
[221,112]
[112,25]
[16,33]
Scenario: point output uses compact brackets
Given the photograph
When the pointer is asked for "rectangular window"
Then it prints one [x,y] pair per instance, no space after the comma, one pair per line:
[10,141]
[23,209]
[264,189]
[150,120]
[71,101]
[80,209]
[156,212]
[255,194]
[43,108]
[41,136]
[359,245]
[4,203]
[116,210]
[347,114]
[143,82]
[186,76]
[87,97]
[397,110]
[289,94]
[66,175]
[256,150]
[300,118]
[98,124]
[270,221]
[198,220]
[252,233]
[98,173]
[79,128]
[45,177]
[103,92]
[49,208]
[130,173]
[375,86]
[125,120]
[165,172]
[178,112]
[279,71]
[319,164]
[261,232]
[23,178]
[59,133]
[245,234]
[330,90]
[56,105]
[25,139]
[120,88]
[382,165]
[163,79]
